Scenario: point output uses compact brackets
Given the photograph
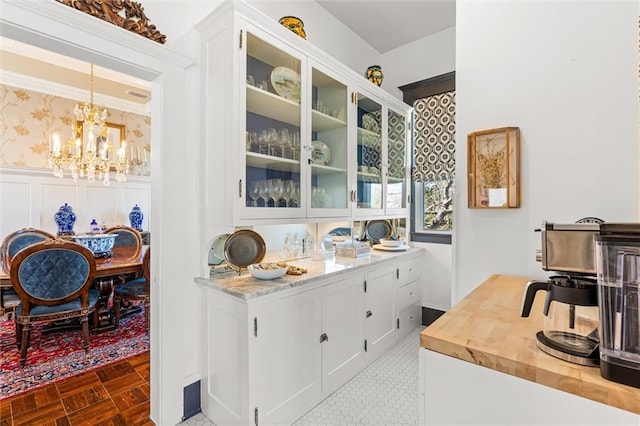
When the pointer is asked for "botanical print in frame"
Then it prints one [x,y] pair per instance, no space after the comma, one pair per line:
[494,168]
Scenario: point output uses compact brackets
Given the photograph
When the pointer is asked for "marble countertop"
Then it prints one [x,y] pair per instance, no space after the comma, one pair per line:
[244,286]
[486,328]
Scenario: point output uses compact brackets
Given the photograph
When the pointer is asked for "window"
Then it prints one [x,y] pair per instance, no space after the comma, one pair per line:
[433,171]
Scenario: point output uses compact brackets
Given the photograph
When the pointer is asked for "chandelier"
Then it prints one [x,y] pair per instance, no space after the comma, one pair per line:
[89,151]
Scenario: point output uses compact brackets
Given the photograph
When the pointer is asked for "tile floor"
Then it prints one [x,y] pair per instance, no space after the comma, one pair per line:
[384,393]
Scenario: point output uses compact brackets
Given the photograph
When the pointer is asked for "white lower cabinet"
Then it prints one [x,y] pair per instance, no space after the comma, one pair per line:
[271,359]
[284,356]
[342,331]
[380,313]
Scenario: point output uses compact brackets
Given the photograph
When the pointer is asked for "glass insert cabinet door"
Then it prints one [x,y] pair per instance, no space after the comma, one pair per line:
[273,124]
[329,145]
[396,193]
[369,193]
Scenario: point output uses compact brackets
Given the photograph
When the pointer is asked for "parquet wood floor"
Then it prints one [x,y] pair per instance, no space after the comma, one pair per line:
[116,395]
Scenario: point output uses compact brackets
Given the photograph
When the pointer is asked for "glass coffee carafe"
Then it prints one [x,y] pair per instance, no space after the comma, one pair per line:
[618,273]
[570,310]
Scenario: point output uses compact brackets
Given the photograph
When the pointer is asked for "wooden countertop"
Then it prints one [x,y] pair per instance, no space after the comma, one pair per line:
[485,328]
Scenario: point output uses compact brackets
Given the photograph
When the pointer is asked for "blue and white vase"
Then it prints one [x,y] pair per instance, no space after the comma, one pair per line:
[65,219]
[135,218]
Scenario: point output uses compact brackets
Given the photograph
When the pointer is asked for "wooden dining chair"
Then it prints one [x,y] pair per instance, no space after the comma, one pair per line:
[137,289]
[10,246]
[128,241]
[53,279]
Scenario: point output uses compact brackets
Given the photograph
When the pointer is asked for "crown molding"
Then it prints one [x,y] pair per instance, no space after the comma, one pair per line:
[56,89]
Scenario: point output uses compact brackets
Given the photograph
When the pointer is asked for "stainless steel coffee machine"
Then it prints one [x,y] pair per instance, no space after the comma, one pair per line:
[570,329]
[618,274]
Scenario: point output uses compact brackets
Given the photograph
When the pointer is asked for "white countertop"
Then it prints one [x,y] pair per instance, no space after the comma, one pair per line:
[244,286]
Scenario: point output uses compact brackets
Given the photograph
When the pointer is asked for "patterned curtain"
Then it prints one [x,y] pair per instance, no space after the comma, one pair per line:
[434,138]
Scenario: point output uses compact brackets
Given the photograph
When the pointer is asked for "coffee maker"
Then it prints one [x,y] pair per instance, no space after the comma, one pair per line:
[570,329]
[618,281]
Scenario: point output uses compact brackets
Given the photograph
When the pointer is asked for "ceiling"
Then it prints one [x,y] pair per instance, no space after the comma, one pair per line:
[388,24]
[26,60]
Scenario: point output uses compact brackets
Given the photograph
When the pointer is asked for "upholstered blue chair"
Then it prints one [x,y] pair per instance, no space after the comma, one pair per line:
[136,289]
[129,240]
[11,245]
[53,279]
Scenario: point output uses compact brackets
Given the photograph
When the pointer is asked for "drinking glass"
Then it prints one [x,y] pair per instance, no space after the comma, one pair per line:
[275,190]
[287,192]
[291,244]
[284,139]
[254,192]
[264,192]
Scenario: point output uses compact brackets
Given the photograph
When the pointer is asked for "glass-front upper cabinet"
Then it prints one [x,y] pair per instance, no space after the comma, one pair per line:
[369,189]
[273,124]
[396,162]
[328,159]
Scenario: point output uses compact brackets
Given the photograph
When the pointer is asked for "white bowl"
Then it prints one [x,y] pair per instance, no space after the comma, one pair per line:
[267,271]
[99,244]
[391,243]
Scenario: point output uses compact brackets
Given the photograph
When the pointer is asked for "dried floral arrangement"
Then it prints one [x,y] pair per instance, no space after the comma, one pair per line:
[494,168]
[491,162]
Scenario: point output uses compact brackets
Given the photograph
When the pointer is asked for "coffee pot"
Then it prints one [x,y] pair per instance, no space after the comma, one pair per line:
[570,330]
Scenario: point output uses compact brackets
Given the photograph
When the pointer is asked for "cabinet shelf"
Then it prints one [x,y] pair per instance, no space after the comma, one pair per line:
[274,163]
[323,122]
[323,170]
[369,177]
[272,106]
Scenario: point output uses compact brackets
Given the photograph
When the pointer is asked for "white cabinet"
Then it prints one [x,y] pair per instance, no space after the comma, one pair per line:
[285,359]
[271,358]
[380,314]
[342,331]
[292,134]
[409,295]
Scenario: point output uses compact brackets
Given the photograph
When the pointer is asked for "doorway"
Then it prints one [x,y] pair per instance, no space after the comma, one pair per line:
[55,27]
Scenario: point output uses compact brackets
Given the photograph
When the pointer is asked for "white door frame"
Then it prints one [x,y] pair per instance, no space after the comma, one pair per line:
[56,27]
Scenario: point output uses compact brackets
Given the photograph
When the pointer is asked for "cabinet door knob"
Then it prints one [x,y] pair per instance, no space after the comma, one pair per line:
[324,337]
[411,293]
[369,314]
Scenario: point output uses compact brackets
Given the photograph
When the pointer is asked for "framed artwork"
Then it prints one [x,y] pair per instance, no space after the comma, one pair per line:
[494,168]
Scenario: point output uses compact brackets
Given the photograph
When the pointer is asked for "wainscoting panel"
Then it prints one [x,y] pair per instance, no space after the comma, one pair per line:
[31,197]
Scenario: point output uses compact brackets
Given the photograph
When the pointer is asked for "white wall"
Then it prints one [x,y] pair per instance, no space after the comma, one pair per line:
[31,199]
[567,75]
[421,59]
[323,30]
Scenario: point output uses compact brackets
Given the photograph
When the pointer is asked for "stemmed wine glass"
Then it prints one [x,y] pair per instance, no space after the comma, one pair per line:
[274,190]
[287,192]
[264,192]
[254,192]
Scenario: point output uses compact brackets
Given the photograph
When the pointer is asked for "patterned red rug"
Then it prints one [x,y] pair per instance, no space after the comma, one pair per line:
[57,356]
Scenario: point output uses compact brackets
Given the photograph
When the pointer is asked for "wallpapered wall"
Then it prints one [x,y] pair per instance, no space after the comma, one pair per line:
[27,118]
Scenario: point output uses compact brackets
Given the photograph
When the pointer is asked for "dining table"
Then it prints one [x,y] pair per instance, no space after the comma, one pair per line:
[110,271]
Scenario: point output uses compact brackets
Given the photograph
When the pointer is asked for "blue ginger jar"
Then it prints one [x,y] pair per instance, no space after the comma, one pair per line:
[65,219]
[135,218]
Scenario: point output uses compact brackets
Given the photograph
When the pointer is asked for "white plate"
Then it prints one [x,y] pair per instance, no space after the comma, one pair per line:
[286,83]
[321,153]
[216,252]
[385,248]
